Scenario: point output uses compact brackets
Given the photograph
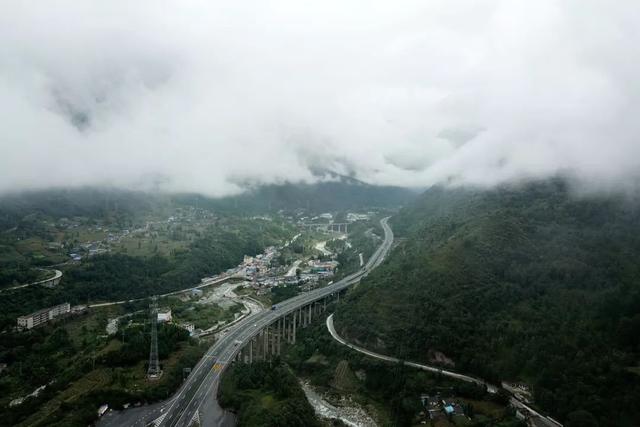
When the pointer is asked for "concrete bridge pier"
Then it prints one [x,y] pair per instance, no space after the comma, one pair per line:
[279,340]
[265,344]
[268,342]
[294,327]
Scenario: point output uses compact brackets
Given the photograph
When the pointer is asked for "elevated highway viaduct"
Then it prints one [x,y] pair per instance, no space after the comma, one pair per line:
[257,337]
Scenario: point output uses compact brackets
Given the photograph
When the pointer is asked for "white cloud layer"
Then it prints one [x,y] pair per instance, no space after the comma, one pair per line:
[208,95]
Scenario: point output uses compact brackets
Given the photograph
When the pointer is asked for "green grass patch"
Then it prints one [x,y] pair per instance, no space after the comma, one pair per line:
[634,370]
[203,316]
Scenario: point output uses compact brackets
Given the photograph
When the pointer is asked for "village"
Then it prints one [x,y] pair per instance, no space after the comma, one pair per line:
[245,289]
[248,287]
[209,309]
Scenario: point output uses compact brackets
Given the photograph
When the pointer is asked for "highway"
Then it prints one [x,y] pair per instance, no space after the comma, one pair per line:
[199,389]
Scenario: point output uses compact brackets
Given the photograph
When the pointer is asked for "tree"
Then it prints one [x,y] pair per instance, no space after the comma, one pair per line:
[581,418]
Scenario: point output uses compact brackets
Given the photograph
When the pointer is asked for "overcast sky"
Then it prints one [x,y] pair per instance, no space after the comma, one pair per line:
[209,95]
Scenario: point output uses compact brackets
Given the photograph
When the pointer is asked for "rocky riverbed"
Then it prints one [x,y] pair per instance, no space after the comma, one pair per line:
[348,412]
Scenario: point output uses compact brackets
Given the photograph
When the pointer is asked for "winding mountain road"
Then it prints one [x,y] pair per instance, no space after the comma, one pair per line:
[547,421]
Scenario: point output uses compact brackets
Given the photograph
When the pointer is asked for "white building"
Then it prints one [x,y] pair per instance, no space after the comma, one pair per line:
[164,315]
[43,316]
[352,217]
[189,327]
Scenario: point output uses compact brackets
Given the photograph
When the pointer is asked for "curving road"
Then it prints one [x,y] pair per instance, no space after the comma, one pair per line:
[547,421]
[55,279]
[208,282]
[196,398]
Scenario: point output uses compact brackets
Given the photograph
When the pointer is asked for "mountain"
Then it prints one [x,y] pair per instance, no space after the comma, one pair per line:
[340,194]
[528,284]
[22,208]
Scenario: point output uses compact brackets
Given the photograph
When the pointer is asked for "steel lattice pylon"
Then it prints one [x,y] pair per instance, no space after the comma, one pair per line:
[154,364]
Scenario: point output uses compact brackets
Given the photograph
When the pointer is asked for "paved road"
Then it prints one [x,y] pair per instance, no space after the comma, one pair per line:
[196,397]
[57,275]
[490,388]
[179,291]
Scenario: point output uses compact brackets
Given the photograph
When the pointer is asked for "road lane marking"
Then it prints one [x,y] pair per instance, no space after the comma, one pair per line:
[159,420]
[264,318]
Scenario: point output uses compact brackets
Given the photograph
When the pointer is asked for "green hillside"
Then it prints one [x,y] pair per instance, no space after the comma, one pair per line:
[339,194]
[23,212]
[265,394]
[520,284]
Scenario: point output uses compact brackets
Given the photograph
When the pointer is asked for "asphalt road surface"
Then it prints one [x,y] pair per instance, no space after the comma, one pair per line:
[196,398]
[543,420]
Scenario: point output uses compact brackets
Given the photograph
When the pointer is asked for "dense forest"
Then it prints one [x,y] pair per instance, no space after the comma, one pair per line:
[265,394]
[113,205]
[80,360]
[528,283]
[390,391]
[268,394]
[339,193]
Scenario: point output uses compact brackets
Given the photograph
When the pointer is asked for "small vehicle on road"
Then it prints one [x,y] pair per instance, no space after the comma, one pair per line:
[274,307]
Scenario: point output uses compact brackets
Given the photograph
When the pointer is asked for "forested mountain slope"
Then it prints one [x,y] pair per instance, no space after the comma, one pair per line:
[524,284]
[112,204]
[342,193]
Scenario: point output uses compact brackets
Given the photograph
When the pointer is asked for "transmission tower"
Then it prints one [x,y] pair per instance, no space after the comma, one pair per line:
[154,371]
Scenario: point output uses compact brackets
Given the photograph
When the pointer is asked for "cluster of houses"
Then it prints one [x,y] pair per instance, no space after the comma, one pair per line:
[262,279]
[88,249]
[259,272]
[353,217]
[322,268]
[436,406]
[254,267]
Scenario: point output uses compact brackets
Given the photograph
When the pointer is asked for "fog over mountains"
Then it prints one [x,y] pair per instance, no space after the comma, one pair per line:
[208,96]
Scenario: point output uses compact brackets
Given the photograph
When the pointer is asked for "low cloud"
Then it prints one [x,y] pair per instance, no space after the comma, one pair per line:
[209,96]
